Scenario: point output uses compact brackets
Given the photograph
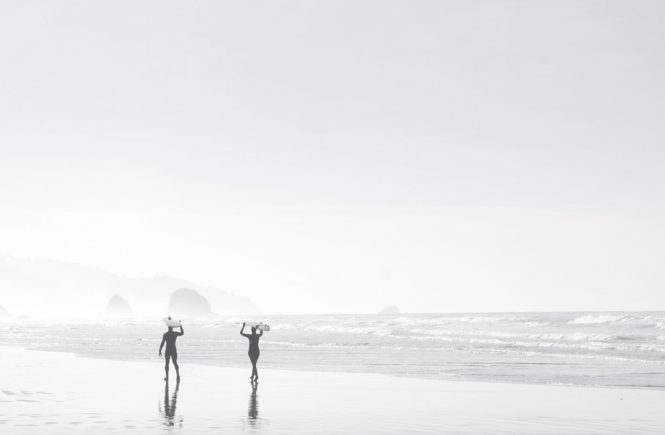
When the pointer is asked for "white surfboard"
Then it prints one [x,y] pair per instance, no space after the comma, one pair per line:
[172,323]
[261,326]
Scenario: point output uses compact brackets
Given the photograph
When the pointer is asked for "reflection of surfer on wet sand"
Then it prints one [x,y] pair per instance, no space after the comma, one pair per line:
[253,408]
[169,406]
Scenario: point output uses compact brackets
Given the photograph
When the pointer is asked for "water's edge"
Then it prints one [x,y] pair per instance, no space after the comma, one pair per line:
[584,349]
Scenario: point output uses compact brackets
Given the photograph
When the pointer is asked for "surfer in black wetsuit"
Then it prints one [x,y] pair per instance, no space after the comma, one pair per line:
[171,351]
[254,351]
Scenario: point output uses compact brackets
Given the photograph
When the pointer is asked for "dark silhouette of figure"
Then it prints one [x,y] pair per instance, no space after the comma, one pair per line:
[253,408]
[254,351]
[171,351]
[168,411]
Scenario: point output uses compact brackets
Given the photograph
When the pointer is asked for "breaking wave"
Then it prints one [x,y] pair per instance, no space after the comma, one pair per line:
[601,348]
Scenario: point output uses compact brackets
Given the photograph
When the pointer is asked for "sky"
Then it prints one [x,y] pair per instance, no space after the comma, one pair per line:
[343,156]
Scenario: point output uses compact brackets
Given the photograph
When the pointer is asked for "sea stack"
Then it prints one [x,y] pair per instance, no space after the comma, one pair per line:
[188,303]
[118,307]
[392,309]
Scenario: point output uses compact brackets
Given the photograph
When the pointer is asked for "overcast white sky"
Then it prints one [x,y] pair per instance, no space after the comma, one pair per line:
[320,156]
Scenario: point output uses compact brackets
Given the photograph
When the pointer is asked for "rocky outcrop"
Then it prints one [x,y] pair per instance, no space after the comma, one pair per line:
[188,303]
[46,288]
[221,301]
[392,309]
[118,307]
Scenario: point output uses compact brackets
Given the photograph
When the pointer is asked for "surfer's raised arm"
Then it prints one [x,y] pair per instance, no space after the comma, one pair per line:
[242,330]
[162,345]
[182,331]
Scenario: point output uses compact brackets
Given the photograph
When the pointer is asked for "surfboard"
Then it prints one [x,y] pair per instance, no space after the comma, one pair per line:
[261,326]
[172,323]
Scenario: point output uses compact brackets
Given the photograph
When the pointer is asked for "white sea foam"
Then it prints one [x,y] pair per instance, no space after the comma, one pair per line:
[595,318]
[648,320]
[583,348]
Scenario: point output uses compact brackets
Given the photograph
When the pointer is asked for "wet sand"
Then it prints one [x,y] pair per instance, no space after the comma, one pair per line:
[45,392]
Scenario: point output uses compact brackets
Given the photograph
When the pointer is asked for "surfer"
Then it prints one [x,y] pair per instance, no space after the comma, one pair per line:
[171,351]
[254,351]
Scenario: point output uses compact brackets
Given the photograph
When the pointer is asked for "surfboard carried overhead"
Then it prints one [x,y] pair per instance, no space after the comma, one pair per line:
[261,326]
[172,323]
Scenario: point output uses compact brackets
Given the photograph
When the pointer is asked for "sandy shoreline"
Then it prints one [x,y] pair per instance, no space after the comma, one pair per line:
[59,393]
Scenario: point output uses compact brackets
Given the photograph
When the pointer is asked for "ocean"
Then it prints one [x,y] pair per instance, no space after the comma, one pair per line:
[609,349]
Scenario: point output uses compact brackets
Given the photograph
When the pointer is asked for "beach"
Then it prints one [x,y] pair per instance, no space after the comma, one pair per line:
[52,392]
[585,349]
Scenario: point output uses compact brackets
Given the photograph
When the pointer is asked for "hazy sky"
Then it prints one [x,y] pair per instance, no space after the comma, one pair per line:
[320,156]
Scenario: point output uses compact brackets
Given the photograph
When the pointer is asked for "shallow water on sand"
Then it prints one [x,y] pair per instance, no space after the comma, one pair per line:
[57,393]
[599,349]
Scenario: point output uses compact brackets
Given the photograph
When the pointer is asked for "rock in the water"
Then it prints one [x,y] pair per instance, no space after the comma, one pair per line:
[4,314]
[392,309]
[188,303]
[118,307]
[43,287]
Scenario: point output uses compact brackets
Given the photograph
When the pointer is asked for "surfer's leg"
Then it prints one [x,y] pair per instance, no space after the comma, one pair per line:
[253,357]
[251,360]
[166,365]
[256,372]
[174,357]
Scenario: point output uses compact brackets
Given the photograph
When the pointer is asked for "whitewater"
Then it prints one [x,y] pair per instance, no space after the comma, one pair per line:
[610,349]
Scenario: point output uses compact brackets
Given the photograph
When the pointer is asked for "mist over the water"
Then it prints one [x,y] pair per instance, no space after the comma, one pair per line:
[47,289]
